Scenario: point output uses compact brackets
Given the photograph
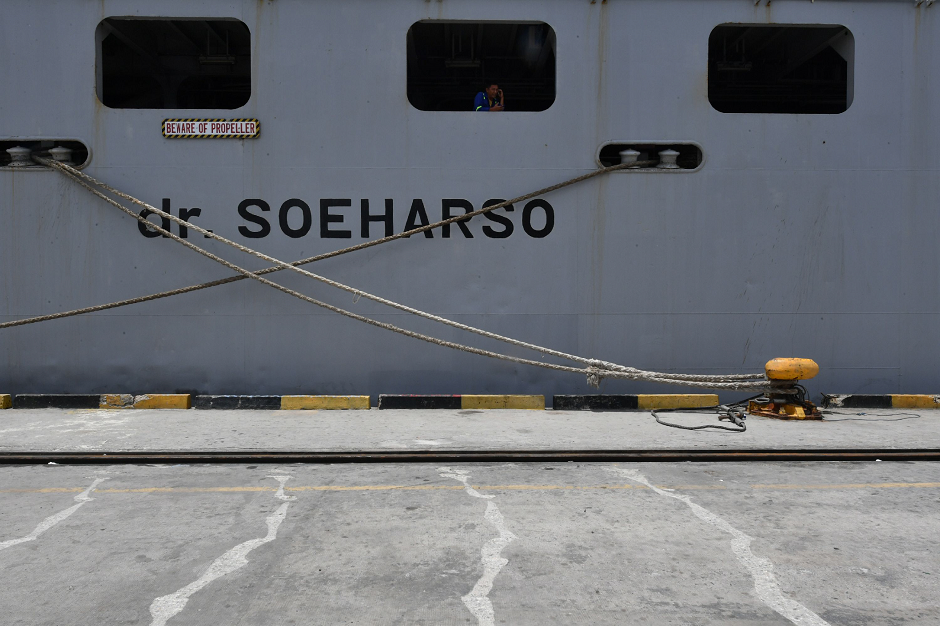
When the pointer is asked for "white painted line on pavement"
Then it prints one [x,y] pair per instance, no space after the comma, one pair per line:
[165,607]
[52,520]
[280,489]
[761,569]
[477,601]
[462,476]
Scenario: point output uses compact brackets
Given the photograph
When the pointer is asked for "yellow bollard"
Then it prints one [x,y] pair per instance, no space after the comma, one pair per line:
[787,406]
[791,369]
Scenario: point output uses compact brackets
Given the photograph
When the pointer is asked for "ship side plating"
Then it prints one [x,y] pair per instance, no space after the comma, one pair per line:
[805,234]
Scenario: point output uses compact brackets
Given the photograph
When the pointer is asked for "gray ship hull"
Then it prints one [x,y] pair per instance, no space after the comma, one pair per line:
[799,235]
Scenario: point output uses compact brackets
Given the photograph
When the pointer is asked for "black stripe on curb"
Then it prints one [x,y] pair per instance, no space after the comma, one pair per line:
[237,402]
[418,402]
[596,402]
[56,401]
[858,401]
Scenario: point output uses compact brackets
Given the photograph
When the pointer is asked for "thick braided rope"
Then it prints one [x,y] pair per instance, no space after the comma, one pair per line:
[591,372]
[313,259]
[589,362]
[597,369]
[630,373]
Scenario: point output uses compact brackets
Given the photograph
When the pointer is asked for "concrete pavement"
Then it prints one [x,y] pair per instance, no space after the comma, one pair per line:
[692,543]
[134,430]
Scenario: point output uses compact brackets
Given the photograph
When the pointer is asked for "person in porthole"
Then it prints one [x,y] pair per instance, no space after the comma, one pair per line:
[490,99]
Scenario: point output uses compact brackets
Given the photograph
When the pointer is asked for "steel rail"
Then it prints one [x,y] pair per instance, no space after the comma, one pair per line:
[465,456]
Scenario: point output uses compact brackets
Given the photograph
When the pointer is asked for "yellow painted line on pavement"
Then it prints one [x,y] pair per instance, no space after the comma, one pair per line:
[187,490]
[252,489]
[46,490]
[854,486]
[247,489]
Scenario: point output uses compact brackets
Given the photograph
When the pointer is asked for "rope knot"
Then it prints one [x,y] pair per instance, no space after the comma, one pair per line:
[594,378]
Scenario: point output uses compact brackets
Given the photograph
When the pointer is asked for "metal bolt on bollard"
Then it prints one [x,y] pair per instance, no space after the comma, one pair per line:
[667,160]
[630,156]
[19,156]
[62,155]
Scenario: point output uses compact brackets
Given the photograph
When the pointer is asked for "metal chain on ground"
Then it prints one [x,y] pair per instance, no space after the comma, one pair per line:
[596,369]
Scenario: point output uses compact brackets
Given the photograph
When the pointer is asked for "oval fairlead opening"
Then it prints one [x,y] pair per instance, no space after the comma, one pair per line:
[69,151]
[670,156]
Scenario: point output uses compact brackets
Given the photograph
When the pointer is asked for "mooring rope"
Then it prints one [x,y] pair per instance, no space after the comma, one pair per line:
[595,370]
[313,259]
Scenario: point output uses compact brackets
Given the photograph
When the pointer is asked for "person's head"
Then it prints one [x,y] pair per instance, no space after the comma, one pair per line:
[491,89]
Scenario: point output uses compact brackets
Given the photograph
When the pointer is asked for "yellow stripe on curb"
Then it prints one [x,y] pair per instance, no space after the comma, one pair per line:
[294,403]
[6,401]
[502,402]
[914,401]
[163,401]
[676,400]
[116,401]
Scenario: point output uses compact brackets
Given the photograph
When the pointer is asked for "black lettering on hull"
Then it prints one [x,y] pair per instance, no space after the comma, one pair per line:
[254,219]
[531,231]
[538,219]
[295,233]
[494,216]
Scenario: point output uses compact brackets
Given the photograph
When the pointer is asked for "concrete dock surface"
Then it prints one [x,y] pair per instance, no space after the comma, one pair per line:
[739,544]
[246,430]
[508,543]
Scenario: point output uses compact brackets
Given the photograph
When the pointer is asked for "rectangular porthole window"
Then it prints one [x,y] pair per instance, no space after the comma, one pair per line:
[780,68]
[161,63]
[449,62]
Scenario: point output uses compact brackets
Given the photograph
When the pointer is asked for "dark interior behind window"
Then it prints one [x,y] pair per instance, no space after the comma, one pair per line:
[174,64]
[448,62]
[780,68]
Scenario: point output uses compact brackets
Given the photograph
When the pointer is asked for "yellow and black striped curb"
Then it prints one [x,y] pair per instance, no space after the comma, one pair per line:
[180,401]
[324,402]
[627,402]
[458,401]
[56,401]
[145,401]
[883,401]
[103,401]
[597,402]
[290,403]
[207,122]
